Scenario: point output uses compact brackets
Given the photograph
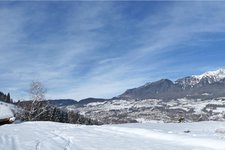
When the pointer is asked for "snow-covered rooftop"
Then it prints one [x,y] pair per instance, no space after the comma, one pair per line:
[5,112]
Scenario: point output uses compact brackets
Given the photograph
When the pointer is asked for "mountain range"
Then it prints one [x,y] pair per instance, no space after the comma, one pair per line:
[208,85]
[67,102]
[205,86]
[192,98]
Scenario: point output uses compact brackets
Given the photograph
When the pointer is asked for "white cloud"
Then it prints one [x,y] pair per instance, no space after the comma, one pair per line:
[76,61]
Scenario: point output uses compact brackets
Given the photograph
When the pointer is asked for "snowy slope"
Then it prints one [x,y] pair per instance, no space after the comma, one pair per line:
[216,75]
[210,77]
[148,136]
[5,111]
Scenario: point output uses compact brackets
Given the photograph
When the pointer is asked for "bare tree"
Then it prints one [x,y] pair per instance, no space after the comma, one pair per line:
[37,91]
[37,94]
[40,110]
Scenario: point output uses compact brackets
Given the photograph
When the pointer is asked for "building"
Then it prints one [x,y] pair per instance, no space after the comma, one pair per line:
[6,114]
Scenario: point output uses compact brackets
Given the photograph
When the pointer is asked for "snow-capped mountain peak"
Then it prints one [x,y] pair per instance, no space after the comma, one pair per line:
[215,75]
[207,77]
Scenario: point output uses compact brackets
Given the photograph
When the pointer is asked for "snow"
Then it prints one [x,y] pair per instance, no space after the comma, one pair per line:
[216,75]
[116,105]
[149,109]
[187,104]
[206,94]
[5,112]
[143,120]
[219,110]
[146,136]
[178,107]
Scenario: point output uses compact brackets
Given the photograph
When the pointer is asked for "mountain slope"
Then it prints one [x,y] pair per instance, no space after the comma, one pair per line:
[62,102]
[205,78]
[160,89]
[207,85]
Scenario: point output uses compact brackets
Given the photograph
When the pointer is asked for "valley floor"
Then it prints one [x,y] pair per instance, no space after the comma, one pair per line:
[146,136]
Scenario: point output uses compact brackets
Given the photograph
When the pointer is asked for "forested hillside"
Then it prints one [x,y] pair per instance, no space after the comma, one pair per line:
[5,97]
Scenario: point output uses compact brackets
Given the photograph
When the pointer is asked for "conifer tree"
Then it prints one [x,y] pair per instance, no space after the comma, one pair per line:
[8,99]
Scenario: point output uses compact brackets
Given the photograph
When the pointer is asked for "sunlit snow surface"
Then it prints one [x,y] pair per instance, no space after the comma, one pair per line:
[147,136]
[5,112]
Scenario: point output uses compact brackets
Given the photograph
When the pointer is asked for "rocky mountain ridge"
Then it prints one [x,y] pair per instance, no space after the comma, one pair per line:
[208,77]
[205,86]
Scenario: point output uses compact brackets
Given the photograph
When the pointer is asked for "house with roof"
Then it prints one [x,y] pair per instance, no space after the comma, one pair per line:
[6,115]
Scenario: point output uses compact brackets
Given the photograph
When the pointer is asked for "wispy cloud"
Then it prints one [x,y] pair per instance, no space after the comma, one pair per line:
[99,49]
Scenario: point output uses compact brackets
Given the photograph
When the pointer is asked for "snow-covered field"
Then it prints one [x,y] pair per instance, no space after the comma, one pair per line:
[146,136]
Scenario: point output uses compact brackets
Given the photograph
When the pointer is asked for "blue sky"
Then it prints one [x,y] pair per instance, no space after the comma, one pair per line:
[100,49]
